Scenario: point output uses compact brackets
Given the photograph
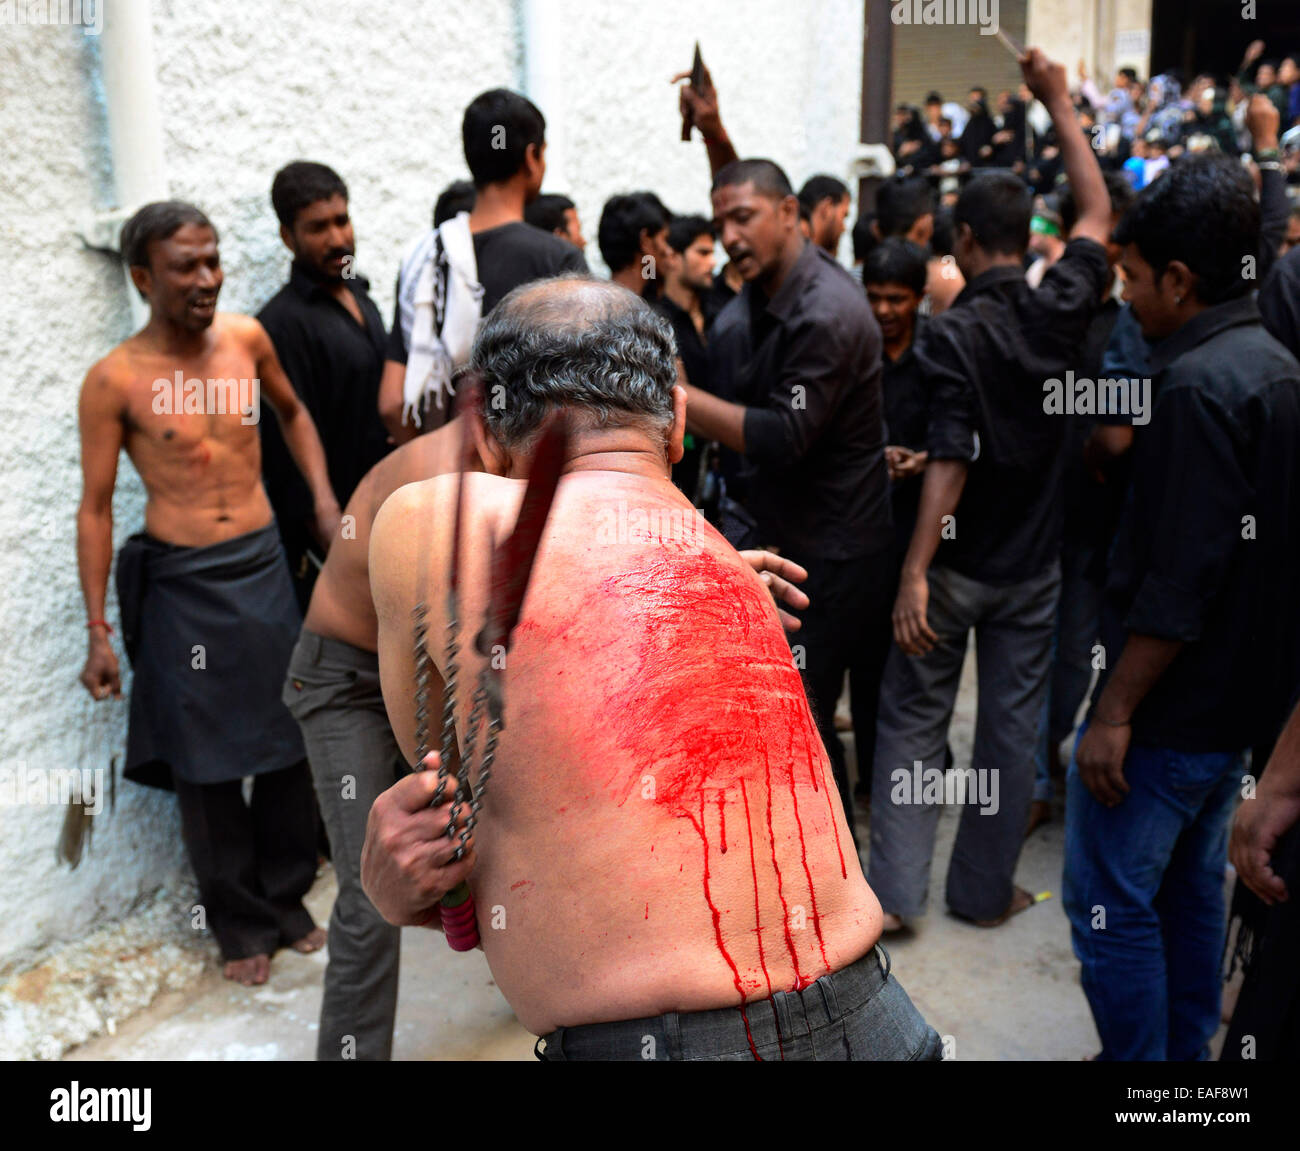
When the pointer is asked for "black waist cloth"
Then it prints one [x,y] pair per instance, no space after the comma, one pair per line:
[209,631]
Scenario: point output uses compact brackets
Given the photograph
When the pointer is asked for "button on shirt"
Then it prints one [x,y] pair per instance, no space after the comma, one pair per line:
[1188,564]
[986,361]
[334,364]
[810,380]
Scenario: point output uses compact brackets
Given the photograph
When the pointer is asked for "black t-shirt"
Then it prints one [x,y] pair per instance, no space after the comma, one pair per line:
[513,254]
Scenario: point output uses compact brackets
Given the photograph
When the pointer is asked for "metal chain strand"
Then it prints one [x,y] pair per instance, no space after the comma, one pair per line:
[421,615]
[484,771]
[448,709]
[462,779]
[473,795]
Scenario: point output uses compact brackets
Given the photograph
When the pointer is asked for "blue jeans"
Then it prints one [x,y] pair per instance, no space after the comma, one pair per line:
[1144,891]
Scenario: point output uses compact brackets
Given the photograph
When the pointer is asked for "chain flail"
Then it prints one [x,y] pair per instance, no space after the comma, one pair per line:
[422,673]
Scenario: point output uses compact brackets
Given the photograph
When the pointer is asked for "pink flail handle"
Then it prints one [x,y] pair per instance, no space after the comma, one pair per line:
[459,919]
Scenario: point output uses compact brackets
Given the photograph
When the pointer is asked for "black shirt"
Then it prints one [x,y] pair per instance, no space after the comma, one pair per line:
[695,362]
[507,256]
[986,361]
[334,364]
[907,415]
[1279,301]
[1187,564]
[810,380]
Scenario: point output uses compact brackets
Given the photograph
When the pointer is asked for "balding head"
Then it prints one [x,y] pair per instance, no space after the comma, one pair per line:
[586,346]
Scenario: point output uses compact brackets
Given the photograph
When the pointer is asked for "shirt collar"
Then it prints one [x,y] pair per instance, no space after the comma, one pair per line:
[1201,327]
[991,278]
[307,285]
[792,287]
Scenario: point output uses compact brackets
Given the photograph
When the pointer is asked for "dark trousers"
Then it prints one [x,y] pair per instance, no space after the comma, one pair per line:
[254,862]
[847,624]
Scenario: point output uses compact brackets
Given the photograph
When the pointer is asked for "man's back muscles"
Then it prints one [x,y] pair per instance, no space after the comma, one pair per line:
[660,801]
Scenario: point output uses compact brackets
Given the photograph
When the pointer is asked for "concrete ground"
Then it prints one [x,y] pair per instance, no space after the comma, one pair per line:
[1010,993]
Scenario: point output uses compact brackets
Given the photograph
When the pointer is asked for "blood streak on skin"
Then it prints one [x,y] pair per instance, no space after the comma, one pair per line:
[712,688]
[717,928]
[780,888]
[722,817]
[812,891]
[753,868]
[810,751]
[758,927]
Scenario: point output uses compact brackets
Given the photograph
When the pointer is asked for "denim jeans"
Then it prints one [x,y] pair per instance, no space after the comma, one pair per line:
[855,1014]
[1144,891]
[1078,623]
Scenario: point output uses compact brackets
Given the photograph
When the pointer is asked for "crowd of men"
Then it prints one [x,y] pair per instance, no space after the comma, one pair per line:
[1054,406]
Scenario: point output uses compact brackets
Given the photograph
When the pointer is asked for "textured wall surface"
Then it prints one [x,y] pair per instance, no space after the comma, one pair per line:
[377,91]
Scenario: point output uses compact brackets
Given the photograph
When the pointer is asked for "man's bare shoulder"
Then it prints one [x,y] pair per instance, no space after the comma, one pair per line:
[426,457]
[109,379]
[247,331]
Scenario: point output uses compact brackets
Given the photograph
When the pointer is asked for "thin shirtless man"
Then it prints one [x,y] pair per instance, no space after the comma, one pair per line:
[662,865]
[208,614]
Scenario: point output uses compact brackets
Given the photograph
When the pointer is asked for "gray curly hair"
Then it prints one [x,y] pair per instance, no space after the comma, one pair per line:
[577,343]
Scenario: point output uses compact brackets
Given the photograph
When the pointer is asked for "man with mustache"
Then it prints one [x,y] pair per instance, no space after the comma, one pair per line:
[207,610]
[330,339]
[799,352]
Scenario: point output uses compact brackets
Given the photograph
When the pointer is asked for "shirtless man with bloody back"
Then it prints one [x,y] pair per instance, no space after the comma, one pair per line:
[661,867]
[333,691]
[208,614]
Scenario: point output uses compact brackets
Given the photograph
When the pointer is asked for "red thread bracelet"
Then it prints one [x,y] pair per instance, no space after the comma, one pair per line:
[108,627]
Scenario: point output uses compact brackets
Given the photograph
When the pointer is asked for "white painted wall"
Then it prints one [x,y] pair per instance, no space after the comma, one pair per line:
[377,90]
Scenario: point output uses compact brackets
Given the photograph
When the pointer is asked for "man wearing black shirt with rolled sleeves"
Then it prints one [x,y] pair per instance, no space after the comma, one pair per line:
[807,417]
[330,339]
[990,519]
[1200,624]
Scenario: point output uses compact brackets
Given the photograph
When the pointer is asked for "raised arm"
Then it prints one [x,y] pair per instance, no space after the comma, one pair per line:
[1263,122]
[1047,81]
[100,411]
[702,106]
[300,435]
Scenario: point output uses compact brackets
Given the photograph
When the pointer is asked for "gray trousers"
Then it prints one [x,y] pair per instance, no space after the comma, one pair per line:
[332,690]
[1013,645]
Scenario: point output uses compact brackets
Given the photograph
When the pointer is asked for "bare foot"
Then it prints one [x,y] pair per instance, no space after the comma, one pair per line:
[1040,812]
[314,940]
[250,972]
[1020,901]
[890,923]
